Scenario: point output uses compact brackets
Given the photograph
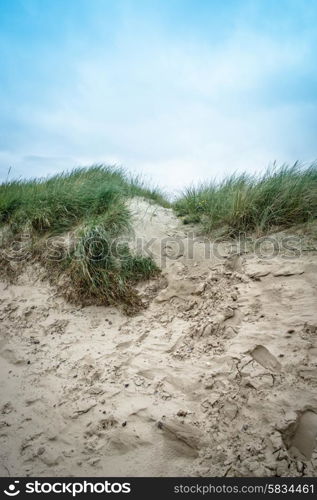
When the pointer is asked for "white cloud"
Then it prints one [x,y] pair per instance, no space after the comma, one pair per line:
[179,111]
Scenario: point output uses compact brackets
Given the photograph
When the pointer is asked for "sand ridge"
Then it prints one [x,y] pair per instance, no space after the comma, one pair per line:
[217,377]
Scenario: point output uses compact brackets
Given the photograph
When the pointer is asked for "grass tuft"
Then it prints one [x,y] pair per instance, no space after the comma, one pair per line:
[89,203]
[280,198]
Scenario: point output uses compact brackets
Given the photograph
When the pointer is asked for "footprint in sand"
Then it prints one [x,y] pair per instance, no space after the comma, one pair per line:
[265,358]
[183,436]
[300,436]
[12,356]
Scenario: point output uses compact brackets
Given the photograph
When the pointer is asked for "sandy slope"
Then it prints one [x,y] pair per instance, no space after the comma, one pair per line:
[217,377]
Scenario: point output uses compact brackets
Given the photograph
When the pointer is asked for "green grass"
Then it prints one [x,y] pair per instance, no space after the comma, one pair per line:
[91,204]
[279,198]
[58,203]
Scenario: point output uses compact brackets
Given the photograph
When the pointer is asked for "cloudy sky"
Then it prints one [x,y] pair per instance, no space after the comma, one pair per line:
[181,90]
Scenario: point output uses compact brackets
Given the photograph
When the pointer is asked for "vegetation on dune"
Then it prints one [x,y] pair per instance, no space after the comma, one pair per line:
[89,203]
[59,202]
[281,197]
[73,222]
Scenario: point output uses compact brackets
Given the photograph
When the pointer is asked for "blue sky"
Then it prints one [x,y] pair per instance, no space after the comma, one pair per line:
[181,90]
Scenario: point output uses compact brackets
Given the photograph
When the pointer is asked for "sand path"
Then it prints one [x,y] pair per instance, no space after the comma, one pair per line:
[218,376]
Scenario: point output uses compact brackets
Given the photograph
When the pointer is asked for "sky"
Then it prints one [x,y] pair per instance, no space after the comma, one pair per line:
[178,90]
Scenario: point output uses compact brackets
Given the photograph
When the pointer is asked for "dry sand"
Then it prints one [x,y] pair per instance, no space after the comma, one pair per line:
[218,376]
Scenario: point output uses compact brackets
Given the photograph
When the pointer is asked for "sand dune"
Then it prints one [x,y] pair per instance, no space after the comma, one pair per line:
[218,376]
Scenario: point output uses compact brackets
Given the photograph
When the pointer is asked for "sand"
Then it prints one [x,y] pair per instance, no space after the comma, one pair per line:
[217,377]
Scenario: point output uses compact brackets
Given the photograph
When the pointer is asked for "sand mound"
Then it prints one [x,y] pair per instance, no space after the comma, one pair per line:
[217,377]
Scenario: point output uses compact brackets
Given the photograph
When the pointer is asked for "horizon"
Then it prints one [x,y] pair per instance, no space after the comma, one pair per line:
[178,91]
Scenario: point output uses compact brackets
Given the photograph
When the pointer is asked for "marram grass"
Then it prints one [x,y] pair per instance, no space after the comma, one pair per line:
[280,198]
[90,205]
